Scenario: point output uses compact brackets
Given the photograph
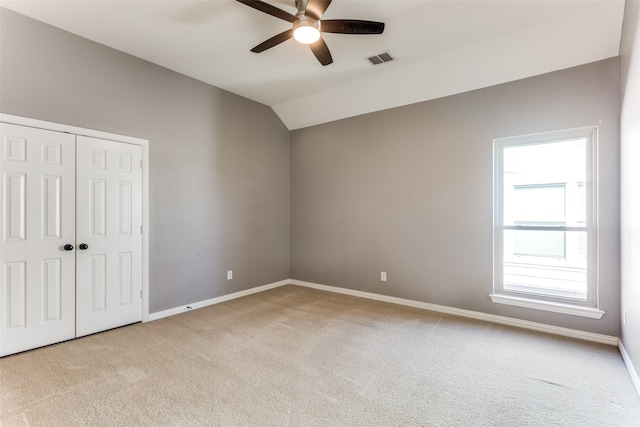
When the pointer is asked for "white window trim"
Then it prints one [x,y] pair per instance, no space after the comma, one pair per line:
[556,307]
[588,308]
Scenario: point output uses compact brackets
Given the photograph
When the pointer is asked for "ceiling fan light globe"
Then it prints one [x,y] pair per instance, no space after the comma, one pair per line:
[306,30]
[306,35]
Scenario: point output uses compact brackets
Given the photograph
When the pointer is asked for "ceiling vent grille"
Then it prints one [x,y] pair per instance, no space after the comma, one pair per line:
[381,58]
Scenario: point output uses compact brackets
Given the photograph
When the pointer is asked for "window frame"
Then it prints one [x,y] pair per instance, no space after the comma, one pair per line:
[574,306]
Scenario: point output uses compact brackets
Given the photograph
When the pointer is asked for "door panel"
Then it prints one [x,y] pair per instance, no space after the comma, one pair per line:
[109,211]
[98,207]
[37,281]
[52,289]
[16,292]
[51,215]
[15,210]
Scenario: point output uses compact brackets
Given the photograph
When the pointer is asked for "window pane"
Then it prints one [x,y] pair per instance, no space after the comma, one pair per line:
[538,202]
[533,263]
[549,244]
[545,182]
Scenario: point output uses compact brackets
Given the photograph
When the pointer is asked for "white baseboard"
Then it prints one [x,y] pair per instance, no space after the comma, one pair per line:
[510,321]
[630,368]
[182,309]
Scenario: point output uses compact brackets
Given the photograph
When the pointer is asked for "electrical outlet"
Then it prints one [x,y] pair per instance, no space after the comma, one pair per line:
[229,274]
[383,276]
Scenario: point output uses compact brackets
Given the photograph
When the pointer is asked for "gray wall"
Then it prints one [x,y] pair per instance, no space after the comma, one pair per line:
[219,185]
[409,191]
[630,178]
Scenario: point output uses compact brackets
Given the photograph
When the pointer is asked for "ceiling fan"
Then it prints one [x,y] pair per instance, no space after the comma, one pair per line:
[307,26]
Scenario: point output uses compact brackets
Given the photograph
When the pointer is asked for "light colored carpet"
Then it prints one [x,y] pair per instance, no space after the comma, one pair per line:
[294,356]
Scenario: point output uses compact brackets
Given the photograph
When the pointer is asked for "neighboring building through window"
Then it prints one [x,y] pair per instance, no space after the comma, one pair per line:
[545,235]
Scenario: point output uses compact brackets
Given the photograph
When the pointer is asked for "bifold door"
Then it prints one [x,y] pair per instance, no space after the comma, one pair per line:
[109,235]
[71,236]
[38,233]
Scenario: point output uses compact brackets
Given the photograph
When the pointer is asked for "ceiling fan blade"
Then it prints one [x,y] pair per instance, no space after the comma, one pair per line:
[321,51]
[351,26]
[273,41]
[316,8]
[269,9]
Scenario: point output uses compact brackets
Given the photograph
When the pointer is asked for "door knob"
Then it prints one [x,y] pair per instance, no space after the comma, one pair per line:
[83,246]
[68,247]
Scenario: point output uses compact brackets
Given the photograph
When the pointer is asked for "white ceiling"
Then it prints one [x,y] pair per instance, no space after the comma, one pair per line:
[442,47]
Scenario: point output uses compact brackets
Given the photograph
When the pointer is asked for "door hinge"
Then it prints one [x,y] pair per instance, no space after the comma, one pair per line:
[140,293]
[141,165]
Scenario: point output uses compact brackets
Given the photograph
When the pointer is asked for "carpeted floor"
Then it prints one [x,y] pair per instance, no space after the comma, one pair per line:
[294,356]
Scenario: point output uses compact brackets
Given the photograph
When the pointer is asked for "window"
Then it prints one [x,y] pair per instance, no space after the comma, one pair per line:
[545,235]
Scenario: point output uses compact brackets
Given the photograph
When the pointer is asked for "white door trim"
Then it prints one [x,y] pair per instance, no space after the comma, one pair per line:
[144,143]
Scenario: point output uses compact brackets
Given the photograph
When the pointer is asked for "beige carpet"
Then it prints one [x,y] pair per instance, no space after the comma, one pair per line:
[294,356]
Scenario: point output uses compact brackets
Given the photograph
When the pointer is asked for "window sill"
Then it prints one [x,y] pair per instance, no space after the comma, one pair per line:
[556,307]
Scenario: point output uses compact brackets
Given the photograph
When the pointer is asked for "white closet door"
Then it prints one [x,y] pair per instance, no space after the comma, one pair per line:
[37,278]
[109,220]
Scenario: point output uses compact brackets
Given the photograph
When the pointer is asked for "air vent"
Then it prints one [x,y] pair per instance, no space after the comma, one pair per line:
[381,58]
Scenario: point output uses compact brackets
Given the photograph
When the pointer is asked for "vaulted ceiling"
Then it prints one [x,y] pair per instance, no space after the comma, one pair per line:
[441,47]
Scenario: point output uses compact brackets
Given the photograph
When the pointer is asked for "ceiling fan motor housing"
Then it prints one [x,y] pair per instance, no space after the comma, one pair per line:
[301,5]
